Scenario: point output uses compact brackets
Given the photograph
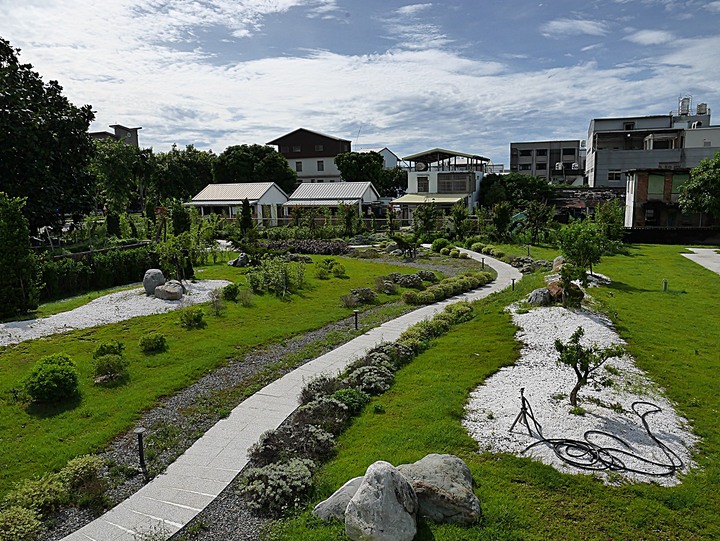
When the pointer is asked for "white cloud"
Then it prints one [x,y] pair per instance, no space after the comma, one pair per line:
[713,6]
[560,28]
[591,47]
[650,37]
[412,9]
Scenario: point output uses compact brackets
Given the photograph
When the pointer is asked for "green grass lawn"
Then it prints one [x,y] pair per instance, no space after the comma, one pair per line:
[672,335]
[35,439]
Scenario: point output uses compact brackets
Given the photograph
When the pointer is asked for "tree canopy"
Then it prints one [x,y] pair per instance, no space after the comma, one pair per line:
[180,173]
[254,163]
[114,165]
[46,148]
[515,188]
[702,192]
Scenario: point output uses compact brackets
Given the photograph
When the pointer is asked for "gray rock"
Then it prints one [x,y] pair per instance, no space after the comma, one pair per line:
[334,507]
[170,291]
[242,260]
[397,252]
[152,279]
[384,507]
[391,247]
[540,297]
[558,262]
[443,485]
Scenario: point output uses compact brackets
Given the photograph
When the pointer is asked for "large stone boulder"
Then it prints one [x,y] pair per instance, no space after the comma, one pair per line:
[539,297]
[169,291]
[384,508]
[242,260]
[152,279]
[558,262]
[443,485]
[334,507]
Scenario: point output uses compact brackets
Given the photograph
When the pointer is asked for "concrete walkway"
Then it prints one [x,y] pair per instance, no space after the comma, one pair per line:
[707,257]
[188,485]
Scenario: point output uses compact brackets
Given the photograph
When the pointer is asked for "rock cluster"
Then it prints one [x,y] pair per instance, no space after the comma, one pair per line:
[527,264]
[152,279]
[384,504]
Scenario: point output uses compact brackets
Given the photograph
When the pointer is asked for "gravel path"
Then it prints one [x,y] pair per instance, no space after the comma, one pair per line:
[106,309]
[607,399]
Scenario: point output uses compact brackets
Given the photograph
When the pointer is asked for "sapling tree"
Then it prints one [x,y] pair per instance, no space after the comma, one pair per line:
[583,360]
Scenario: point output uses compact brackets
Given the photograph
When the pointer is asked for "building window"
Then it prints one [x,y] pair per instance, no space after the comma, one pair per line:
[284,148]
[627,126]
[526,152]
[318,148]
[320,165]
[346,147]
[614,175]
[423,184]
[541,152]
[298,167]
[540,166]
[568,152]
[452,186]
[296,148]
[525,167]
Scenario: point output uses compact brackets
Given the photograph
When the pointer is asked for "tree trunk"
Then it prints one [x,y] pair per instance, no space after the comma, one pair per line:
[574,392]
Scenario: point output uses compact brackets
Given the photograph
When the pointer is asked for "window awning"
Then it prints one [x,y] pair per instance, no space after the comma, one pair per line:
[422,199]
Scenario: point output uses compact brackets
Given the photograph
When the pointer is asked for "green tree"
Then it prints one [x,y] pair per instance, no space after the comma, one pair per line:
[425,219]
[538,216]
[515,188]
[501,219]
[702,192]
[583,244]
[610,217]
[180,173]
[583,360]
[19,284]
[46,148]
[254,163]
[349,218]
[460,219]
[392,182]
[246,221]
[360,167]
[114,166]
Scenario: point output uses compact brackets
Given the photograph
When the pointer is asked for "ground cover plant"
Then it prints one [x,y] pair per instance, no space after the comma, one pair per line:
[672,336]
[38,438]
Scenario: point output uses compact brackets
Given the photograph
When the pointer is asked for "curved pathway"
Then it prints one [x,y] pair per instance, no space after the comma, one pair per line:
[707,257]
[173,498]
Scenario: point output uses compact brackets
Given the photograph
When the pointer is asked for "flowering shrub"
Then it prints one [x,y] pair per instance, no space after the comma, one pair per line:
[278,487]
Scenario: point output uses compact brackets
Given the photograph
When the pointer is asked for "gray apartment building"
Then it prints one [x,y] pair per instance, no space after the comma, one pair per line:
[674,141]
[560,162]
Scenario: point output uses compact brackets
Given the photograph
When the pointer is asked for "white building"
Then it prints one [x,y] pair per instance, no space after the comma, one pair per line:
[266,200]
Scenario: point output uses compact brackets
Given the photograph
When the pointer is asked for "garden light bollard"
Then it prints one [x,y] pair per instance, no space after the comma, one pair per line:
[141,451]
[513,284]
[528,247]
[356,312]
[664,285]
[482,262]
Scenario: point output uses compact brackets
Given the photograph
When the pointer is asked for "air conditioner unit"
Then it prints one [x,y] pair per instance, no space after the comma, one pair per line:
[421,166]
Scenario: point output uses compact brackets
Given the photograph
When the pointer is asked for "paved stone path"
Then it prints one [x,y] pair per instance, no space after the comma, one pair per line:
[707,257]
[188,485]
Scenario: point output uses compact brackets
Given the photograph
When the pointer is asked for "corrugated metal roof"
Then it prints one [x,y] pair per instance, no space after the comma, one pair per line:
[236,192]
[319,202]
[332,191]
[417,199]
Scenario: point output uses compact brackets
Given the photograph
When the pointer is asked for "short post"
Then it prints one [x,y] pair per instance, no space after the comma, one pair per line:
[482,261]
[356,312]
[140,431]
[664,284]
[513,284]
[528,247]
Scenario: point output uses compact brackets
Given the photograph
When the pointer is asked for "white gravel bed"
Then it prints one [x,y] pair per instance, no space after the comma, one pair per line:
[607,400]
[103,310]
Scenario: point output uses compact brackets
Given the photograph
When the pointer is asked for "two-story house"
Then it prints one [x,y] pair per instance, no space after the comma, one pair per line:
[311,154]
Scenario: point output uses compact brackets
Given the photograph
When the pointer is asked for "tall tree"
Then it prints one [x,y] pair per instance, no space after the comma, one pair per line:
[392,182]
[46,147]
[515,188]
[702,192]
[254,163]
[114,166]
[538,216]
[360,166]
[180,173]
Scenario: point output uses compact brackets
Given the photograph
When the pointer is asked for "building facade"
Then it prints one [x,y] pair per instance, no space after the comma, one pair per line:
[676,141]
[129,136]
[560,162]
[311,154]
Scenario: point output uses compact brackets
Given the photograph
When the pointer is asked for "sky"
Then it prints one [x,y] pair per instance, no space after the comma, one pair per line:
[465,75]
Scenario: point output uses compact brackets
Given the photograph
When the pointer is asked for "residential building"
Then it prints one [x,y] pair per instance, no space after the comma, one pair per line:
[311,154]
[330,195]
[390,159]
[678,140]
[266,200]
[443,178]
[120,133]
[652,197]
[560,162]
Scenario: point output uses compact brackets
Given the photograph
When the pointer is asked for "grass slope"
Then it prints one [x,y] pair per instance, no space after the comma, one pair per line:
[671,334]
[35,439]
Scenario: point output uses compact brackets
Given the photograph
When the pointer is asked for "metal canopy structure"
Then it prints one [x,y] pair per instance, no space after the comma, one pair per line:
[437,155]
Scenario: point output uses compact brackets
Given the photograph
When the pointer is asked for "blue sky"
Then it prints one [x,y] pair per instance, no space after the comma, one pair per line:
[466,75]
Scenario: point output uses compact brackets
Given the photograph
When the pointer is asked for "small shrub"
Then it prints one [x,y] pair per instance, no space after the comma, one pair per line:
[245,298]
[42,495]
[338,270]
[110,367]
[399,354]
[230,292]
[410,280]
[52,379]
[81,472]
[410,297]
[349,301]
[488,248]
[477,247]
[191,317]
[354,399]
[497,253]
[153,342]
[321,273]
[460,312]
[113,347]
[437,292]
[326,413]
[372,380]
[427,276]
[445,251]
[425,297]
[364,295]
[216,302]
[439,244]
[19,524]
[323,385]
[277,488]
[464,255]
[384,285]
[454,253]
[293,441]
